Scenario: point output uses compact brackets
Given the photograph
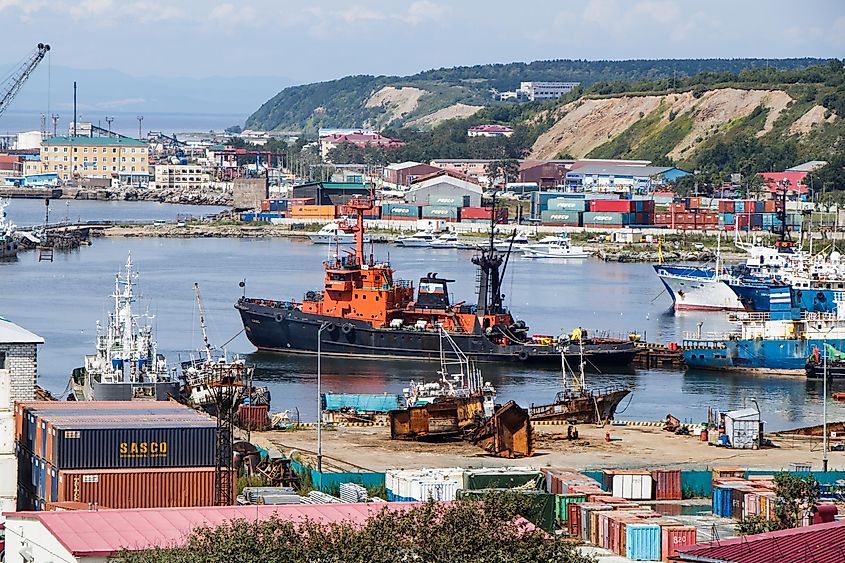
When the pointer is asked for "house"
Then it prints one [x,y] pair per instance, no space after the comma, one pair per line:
[820,543]
[360,140]
[447,184]
[544,173]
[95,536]
[490,131]
[616,177]
[791,182]
[403,173]
[18,375]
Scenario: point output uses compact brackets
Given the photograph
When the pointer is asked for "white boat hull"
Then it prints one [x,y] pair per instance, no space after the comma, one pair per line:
[551,253]
[700,294]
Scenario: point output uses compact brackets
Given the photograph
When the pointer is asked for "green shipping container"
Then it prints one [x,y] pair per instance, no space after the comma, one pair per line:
[441,212]
[503,479]
[448,200]
[562,503]
[567,204]
[606,218]
[541,509]
[570,218]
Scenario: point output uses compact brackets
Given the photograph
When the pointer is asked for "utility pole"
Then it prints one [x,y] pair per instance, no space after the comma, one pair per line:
[824,410]
[74,108]
[140,120]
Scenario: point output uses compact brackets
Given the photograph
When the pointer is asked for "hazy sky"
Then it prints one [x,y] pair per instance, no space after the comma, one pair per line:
[324,39]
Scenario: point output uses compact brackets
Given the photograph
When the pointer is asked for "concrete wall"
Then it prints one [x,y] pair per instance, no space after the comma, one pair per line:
[247,193]
[21,362]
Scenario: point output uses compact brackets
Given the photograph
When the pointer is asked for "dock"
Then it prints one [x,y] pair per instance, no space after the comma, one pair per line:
[658,356]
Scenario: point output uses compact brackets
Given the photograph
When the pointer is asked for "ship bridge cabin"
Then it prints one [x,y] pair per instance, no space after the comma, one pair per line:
[365,292]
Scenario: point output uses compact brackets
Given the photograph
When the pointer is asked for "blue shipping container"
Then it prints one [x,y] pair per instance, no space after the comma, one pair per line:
[642,542]
[729,218]
[739,206]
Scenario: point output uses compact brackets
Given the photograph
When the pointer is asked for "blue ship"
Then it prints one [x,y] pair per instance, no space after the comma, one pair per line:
[778,342]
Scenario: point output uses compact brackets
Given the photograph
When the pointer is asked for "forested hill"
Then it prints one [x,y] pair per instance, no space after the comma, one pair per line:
[430,97]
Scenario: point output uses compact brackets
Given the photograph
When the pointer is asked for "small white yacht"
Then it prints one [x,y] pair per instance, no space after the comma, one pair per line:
[557,246]
[333,233]
[420,239]
[516,244]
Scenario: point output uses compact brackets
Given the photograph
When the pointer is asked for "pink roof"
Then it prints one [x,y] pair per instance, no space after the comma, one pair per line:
[792,181]
[492,129]
[106,532]
[822,543]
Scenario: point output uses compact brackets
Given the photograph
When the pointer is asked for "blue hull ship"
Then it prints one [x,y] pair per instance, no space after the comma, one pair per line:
[779,342]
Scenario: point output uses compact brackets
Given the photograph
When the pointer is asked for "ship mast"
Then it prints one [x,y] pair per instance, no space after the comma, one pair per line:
[208,348]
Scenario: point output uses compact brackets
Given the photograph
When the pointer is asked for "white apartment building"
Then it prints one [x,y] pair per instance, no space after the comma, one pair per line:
[545,90]
[182,176]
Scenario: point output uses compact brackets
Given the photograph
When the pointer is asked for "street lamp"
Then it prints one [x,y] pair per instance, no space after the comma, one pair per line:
[323,327]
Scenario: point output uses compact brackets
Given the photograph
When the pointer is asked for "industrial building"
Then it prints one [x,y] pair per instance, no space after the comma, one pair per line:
[615,177]
[97,157]
[490,131]
[424,191]
[403,173]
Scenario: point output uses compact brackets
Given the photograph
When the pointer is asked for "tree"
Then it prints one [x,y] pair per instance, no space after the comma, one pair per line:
[756,183]
[233,129]
[466,530]
[503,170]
[796,497]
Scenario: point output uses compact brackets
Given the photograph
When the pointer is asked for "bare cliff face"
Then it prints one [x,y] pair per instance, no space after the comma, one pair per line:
[676,123]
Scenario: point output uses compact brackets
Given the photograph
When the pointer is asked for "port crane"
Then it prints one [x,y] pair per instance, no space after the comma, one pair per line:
[12,85]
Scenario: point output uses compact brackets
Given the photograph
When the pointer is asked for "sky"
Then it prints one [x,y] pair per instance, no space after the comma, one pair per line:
[281,42]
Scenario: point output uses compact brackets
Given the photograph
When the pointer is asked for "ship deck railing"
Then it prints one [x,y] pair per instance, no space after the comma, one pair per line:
[763,316]
[713,340]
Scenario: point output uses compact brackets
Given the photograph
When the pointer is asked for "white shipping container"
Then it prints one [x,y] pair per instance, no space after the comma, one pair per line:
[7,433]
[437,490]
[8,475]
[632,487]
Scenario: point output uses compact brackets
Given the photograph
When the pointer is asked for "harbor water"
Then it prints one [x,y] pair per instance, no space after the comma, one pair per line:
[63,300]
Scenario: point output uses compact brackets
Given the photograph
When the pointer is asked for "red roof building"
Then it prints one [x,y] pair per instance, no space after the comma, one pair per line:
[360,140]
[793,182]
[95,535]
[822,543]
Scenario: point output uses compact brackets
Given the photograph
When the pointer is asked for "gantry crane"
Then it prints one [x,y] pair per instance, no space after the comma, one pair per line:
[12,85]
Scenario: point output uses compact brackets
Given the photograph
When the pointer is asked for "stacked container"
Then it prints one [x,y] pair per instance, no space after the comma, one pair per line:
[443,212]
[632,485]
[312,211]
[667,484]
[423,484]
[120,454]
[397,211]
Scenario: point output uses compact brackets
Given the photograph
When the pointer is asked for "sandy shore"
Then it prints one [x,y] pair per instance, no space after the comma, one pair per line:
[370,448]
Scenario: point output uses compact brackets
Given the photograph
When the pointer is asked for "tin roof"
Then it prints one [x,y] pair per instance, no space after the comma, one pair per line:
[361,402]
[822,543]
[636,171]
[106,532]
[10,333]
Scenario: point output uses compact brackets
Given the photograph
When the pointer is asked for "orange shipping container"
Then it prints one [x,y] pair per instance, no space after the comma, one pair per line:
[667,484]
[674,538]
[133,488]
[313,211]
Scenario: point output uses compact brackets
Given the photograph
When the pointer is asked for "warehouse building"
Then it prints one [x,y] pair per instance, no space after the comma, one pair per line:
[444,184]
[403,173]
[615,177]
[330,193]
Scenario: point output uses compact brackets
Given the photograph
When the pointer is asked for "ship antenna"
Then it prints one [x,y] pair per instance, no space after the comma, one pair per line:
[202,324]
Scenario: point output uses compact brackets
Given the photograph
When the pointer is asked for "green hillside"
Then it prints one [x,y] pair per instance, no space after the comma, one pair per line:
[343,102]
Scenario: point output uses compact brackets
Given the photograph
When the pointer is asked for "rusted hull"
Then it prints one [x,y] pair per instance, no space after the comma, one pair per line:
[583,409]
[441,419]
[508,433]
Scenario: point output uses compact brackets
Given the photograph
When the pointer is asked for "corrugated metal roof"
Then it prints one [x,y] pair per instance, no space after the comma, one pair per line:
[622,170]
[360,402]
[106,532]
[402,165]
[743,413]
[10,333]
[822,543]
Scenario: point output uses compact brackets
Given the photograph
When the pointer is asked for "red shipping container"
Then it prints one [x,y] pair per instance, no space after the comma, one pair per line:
[673,538]
[678,207]
[769,206]
[726,206]
[254,417]
[612,205]
[265,205]
[667,484]
[573,520]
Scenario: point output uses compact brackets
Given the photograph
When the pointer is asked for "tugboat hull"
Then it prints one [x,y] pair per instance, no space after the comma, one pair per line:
[586,408]
[289,330]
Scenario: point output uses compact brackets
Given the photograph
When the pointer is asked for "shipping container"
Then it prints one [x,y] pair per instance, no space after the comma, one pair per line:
[726,206]
[564,218]
[562,502]
[265,205]
[674,538]
[567,204]
[400,211]
[446,213]
[149,488]
[667,484]
[312,211]
[613,206]
[446,200]
[254,417]
[633,485]
[606,218]
[503,478]
[642,542]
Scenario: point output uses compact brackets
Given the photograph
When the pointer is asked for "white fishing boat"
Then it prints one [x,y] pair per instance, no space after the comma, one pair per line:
[556,247]
[126,365]
[420,239]
[8,243]
[333,233]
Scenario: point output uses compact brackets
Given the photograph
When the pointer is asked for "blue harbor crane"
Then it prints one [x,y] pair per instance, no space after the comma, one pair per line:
[10,87]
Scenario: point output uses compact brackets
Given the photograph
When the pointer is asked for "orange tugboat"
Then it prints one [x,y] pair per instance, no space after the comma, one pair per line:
[363,311]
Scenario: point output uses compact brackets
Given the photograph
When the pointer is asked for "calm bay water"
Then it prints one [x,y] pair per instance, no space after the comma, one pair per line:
[29,212]
[63,300]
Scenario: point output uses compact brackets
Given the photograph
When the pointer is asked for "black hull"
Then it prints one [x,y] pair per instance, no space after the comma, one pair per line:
[289,330]
[835,370]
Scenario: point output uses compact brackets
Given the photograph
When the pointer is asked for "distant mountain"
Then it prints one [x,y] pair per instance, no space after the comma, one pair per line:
[104,90]
[427,98]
